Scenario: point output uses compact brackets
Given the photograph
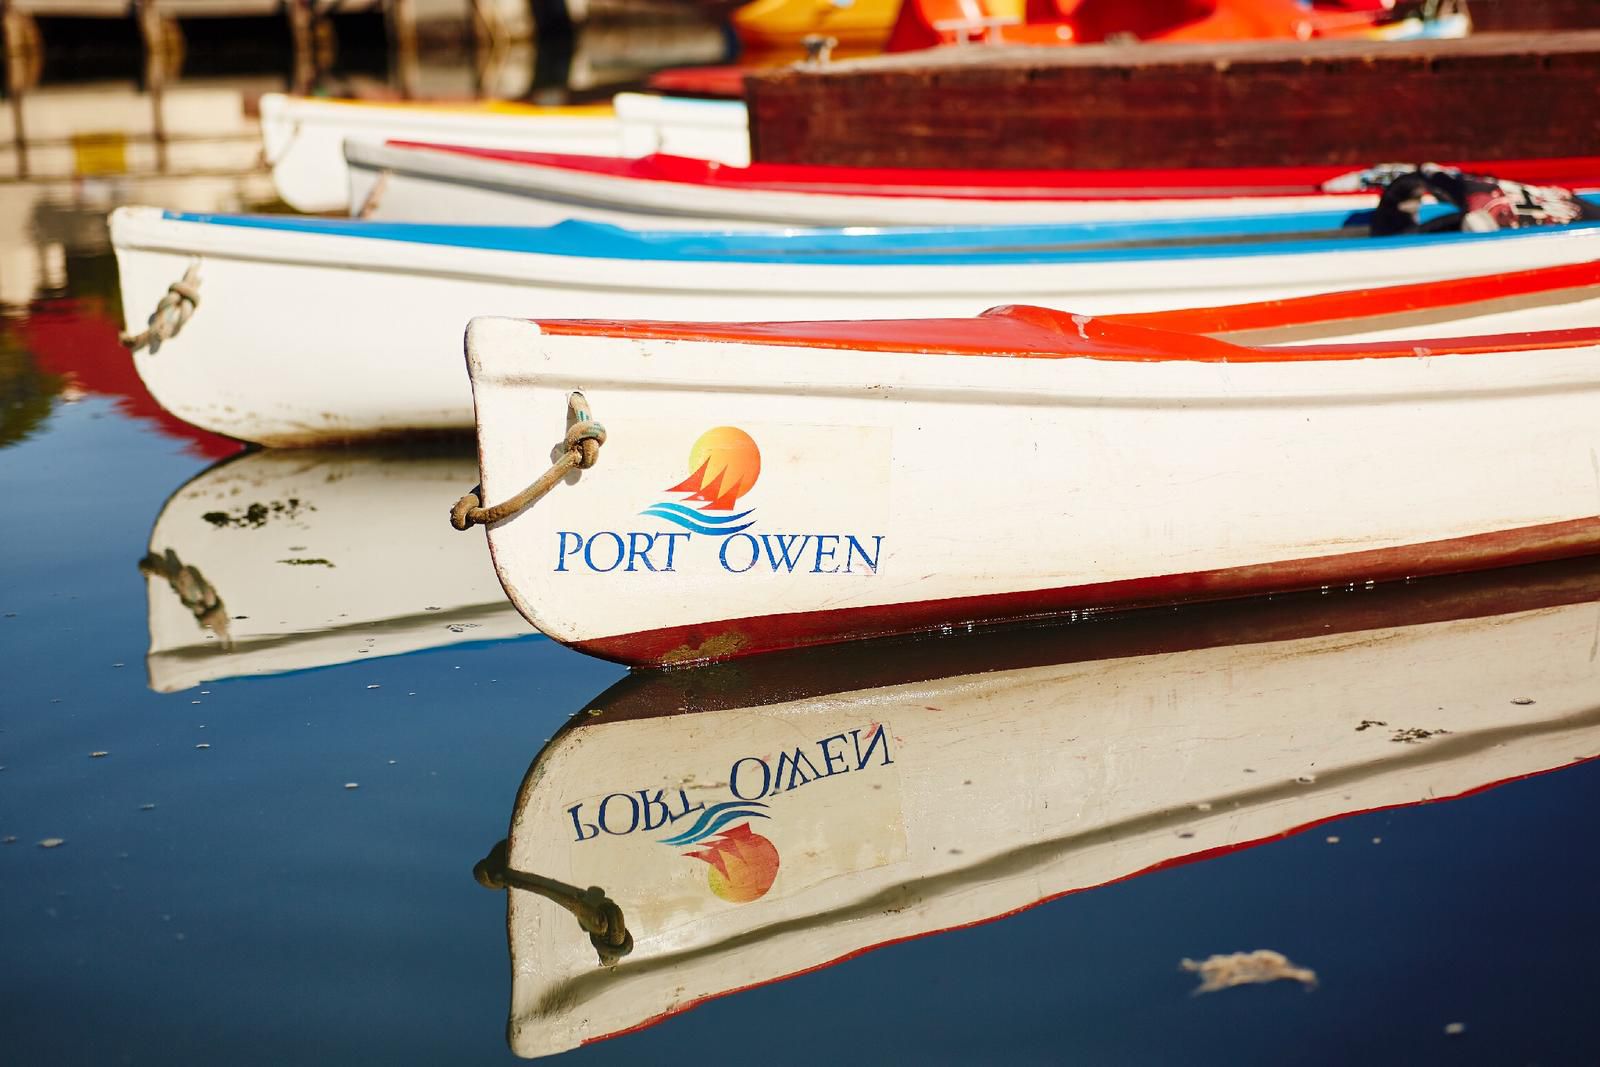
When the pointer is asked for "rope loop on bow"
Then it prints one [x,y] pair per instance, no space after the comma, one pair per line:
[581,451]
[172,313]
[598,915]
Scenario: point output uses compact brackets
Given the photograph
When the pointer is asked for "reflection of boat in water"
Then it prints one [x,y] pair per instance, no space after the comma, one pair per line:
[78,339]
[745,823]
[107,129]
[58,290]
[281,561]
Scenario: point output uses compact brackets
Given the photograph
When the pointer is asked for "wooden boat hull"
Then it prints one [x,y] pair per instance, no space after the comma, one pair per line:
[905,479]
[881,793]
[268,358]
[267,563]
[418,182]
[304,138]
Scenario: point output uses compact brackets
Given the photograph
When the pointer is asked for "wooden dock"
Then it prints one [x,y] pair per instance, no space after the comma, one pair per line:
[1188,105]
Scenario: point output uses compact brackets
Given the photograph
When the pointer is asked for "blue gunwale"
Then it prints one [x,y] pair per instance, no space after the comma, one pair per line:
[1258,235]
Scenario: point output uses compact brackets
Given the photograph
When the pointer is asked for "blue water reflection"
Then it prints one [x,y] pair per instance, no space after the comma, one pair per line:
[222,894]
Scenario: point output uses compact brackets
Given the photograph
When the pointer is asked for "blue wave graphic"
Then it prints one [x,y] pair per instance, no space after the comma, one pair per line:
[701,516]
[715,818]
[698,521]
[719,822]
[707,815]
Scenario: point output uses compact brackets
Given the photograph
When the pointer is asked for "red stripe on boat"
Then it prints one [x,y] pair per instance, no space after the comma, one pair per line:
[1573,172]
[1575,281]
[679,645]
[1020,330]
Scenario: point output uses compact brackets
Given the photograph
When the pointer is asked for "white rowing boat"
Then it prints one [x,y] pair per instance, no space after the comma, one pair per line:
[304,137]
[774,485]
[320,330]
[755,823]
[267,563]
[408,180]
[419,182]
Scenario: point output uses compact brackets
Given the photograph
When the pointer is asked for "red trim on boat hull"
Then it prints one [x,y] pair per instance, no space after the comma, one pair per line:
[726,639]
[1574,281]
[1024,331]
[975,184]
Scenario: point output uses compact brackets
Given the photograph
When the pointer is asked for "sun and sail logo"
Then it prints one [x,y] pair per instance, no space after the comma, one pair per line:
[724,465]
[743,863]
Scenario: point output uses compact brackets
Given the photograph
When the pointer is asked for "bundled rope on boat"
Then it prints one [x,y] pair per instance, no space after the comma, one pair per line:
[582,451]
[173,311]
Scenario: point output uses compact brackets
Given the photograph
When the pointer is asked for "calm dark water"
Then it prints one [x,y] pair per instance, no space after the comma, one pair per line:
[221,893]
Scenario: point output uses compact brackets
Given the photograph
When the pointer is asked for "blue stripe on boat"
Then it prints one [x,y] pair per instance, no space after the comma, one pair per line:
[919,245]
[705,103]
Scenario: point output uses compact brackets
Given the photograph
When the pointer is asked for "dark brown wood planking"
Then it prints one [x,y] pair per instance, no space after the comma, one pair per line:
[1501,16]
[1247,103]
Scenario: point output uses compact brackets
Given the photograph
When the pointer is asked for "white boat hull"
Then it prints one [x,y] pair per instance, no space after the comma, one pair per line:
[304,338]
[304,138]
[898,492]
[418,185]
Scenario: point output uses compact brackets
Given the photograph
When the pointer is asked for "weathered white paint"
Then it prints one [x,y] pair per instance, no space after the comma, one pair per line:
[1001,475]
[305,337]
[354,521]
[1012,787]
